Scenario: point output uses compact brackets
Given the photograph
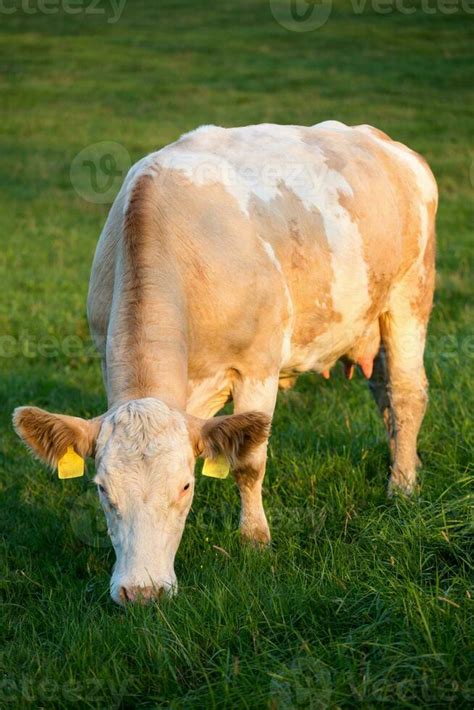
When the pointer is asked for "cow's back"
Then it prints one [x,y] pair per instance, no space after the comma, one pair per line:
[288,240]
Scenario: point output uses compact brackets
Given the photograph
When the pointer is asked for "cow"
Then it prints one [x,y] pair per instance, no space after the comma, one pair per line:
[232,261]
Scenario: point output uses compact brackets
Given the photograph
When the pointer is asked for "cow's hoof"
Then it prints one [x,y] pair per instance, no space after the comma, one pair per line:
[401,488]
[257,537]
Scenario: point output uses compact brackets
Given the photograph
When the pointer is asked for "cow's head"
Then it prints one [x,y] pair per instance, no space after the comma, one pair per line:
[145,454]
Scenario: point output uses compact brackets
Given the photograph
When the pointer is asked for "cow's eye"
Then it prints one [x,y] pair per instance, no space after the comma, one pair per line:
[111,505]
[186,486]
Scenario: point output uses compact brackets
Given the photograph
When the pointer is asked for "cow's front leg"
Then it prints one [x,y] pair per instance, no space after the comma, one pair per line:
[253,522]
[259,395]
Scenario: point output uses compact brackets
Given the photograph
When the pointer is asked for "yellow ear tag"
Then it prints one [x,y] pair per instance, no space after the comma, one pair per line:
[71,465]
[216,468]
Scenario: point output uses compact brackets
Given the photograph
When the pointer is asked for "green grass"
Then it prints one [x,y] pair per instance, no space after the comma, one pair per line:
[361,602]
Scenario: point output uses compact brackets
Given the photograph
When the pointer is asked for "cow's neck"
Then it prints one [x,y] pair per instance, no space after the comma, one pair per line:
[147,357]
[147,353]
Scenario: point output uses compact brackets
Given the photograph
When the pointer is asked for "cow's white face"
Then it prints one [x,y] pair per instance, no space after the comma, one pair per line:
[145,459]
[145,479]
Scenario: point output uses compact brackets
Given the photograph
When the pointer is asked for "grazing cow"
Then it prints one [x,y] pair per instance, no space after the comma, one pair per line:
[231,261]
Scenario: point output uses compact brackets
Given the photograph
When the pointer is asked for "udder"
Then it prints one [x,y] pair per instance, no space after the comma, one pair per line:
[362,353]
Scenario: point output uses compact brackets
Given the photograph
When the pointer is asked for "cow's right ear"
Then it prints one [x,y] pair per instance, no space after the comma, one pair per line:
[49,435]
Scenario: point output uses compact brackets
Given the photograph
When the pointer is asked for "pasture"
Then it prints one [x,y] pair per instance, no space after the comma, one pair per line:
[361,601]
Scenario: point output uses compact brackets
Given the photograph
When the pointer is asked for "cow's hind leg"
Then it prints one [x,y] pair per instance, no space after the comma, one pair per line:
[378,385]
[403,336]
[250,394]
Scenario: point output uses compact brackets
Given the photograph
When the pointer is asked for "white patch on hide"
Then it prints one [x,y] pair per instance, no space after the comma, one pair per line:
[251,162]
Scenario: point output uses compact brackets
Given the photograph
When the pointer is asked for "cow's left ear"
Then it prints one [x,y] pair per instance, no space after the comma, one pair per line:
[49,435]
[233,436]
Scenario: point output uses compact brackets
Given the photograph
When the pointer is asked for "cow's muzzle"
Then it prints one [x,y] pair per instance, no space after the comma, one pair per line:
[140,595]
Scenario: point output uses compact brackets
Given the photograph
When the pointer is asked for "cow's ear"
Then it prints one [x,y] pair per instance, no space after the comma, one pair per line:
[234,436]
[49,435]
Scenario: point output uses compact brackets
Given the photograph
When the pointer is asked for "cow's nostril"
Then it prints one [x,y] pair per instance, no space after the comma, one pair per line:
[123,594]
[140,594]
